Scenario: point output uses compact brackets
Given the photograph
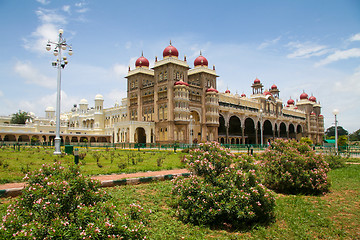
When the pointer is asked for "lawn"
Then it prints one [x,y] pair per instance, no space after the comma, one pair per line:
[15,164]
[333,216]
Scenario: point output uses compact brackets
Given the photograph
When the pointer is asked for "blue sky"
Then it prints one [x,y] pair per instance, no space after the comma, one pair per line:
[311,46]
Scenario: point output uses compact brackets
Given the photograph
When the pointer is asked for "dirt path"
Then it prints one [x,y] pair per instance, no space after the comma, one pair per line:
[110,177]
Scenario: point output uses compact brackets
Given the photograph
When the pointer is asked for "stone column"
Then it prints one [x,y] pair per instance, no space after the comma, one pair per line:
[243,135]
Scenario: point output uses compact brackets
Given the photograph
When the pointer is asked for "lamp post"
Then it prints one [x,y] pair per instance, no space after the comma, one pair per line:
[190,137]
[60,63]
[336,112]
[261,128]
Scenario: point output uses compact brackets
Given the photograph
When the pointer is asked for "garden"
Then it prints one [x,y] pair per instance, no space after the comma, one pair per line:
[286,192]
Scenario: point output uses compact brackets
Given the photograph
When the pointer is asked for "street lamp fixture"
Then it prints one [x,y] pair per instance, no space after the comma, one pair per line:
[60,63]
[336,112]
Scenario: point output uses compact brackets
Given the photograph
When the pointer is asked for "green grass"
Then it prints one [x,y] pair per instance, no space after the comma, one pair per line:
[335,215]
[14,164]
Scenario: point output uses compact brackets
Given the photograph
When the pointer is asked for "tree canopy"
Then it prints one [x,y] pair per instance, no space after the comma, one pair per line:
[19,117]
[355,136]
[330,132]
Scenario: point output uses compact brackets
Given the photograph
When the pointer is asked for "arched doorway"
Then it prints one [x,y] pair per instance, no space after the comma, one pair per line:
[140,135]
[298,132]
[249,131]
[222,129]
[292,131]
[24,138]
[283,130]
[10,138]
[235,129]
[268,132]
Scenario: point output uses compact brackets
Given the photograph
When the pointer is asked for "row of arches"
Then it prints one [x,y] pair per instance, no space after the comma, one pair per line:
[27,138]
[234,132]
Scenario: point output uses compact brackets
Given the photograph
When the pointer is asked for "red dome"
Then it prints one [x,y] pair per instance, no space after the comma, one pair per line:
[303,96]
[243,95]
[287,105]
[290,102]
[142,62]
[227,91]
[273,86]
[200,61]
[312,113]
[257,81]
[212,90]
[295,107]
[312,99]
[267,93]
[170,51]
[181,82]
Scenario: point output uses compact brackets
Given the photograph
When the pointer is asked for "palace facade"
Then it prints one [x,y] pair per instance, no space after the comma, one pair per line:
[172,102]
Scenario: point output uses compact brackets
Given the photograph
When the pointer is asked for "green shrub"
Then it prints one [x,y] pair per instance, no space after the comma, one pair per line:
[60,203]
[306,140]
[334,161]
[222,192]
[293,167]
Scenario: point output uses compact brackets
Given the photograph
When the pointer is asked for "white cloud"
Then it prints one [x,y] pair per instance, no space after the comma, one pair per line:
[39,105]
[269,42]
[66,8]
[120,70]
[128,45]
[306,50]
[355,37]
[32,76]
[50,16]
[339,55]
[43,1]
[350,84]
[1,93]
[116,95]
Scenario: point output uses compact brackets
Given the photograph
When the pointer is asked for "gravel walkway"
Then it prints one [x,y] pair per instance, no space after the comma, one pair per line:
[110,177]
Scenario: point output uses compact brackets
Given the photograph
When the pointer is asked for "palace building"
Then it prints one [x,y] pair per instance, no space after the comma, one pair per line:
[172,102]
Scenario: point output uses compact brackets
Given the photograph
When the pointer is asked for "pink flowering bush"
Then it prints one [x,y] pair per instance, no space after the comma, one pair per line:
[224,190]
[293,167]
[60,203]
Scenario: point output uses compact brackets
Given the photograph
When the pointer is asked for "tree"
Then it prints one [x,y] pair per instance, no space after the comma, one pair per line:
[342,140]
[19,117]
[355,136]
[331,131]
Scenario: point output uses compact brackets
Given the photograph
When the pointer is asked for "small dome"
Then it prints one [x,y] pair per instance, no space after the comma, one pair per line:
[273,86]
[200,61]
[83,101]
[170,51]
[212,90]
[142,62]
[227,91]
[99,97]
[181,82]
[295,107]
[288,105]
[291,102]
[267,93]
[257,81]
[243,95]
[303,96]
[50,109]
[312,99]
[321,116]
[312,113]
